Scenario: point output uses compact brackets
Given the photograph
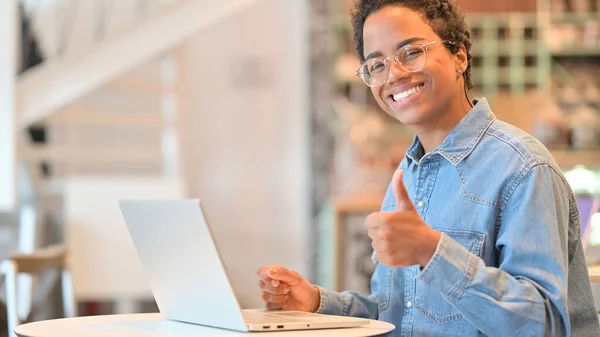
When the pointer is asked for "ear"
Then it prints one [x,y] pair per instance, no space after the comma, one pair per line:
[462,61]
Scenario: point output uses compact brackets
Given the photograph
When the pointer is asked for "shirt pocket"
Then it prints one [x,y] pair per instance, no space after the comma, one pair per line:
[429,301]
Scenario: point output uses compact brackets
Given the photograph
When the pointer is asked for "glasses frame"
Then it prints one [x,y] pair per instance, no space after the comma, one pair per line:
[386,61]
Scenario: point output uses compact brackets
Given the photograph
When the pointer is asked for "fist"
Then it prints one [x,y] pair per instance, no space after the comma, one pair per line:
[287,290]
[401,238]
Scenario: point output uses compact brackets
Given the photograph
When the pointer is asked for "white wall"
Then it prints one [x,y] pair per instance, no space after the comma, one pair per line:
[8,34]
[103,261]
[248,142]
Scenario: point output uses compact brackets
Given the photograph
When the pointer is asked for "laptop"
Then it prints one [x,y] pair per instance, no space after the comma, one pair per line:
[188,279]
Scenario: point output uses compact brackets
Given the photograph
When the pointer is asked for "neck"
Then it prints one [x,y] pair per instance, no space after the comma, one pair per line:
[433,133]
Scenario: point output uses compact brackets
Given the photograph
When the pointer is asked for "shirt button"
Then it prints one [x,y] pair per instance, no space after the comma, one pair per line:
[408,304]
[420,203]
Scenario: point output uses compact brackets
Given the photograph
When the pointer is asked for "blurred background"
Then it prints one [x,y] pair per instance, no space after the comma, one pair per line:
[252,107]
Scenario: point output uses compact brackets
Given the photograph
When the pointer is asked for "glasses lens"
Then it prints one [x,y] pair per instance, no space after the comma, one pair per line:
[412,58]
[373,72]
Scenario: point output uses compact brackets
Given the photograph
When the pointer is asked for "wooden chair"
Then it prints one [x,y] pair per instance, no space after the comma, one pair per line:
[49,264]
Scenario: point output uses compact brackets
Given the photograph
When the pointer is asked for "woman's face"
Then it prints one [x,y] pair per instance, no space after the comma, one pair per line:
[418,98]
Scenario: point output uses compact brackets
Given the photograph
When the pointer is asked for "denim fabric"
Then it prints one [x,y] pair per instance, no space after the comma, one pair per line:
[510,261]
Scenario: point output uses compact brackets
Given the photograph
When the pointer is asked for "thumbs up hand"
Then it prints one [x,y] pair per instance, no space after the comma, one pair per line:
[401,238]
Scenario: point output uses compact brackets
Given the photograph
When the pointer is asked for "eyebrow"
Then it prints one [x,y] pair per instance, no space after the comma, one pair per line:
[398,46]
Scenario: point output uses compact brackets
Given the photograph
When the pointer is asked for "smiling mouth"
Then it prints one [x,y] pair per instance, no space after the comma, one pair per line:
[406,94]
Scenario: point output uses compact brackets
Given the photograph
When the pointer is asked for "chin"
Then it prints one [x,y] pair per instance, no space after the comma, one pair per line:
[414,115]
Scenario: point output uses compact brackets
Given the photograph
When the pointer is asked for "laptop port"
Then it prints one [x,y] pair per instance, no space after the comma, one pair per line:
[280,327]
[266,327]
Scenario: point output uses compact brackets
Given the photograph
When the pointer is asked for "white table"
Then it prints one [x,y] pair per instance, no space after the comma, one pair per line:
[150,325]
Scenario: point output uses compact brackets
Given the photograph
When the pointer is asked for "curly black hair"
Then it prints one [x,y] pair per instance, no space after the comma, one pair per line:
[444,17]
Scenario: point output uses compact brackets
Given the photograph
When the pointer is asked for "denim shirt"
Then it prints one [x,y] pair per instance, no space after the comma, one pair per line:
[510,261]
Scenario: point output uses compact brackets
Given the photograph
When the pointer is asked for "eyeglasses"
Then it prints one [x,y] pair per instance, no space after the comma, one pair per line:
[375,72]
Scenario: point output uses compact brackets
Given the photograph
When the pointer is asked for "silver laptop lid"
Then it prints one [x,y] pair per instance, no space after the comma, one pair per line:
[180,260]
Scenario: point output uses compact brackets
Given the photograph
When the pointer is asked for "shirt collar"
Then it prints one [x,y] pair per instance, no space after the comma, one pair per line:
[463,138]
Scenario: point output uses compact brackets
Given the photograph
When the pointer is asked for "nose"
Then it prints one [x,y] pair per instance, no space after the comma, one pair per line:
[397,73]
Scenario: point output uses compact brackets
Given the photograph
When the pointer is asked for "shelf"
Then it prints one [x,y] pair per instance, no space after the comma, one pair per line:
[505,48]
[481,20]
[577,51]
[506,76]
[363,202]
[579,19]
[594,272]
[567,159]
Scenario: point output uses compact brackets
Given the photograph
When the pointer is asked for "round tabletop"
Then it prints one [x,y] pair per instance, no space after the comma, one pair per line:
[149,325]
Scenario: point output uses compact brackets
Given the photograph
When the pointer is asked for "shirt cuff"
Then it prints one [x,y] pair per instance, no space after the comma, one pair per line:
[450,269]
[331,302]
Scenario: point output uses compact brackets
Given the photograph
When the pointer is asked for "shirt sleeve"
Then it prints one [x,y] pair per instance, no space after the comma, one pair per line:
[349,303]
[528,291]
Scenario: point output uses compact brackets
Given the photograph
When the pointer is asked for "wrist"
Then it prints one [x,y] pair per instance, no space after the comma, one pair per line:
[430,247]
[316,301]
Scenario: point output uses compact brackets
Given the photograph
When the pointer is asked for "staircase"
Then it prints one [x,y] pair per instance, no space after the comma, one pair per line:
[107,100]
[118,128]
[107,93]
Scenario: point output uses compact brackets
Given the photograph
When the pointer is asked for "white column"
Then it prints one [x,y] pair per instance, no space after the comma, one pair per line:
[8,42]
[172,105]
[169,114]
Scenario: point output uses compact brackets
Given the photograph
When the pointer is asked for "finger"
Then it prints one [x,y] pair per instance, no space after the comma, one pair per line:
[276,299]
[383,258]
[283,275]
[381,220]
[267,287]
[375,220]
[378,234]
[274,306]
[262,274]
[380,247]
[373,233]
[403,202]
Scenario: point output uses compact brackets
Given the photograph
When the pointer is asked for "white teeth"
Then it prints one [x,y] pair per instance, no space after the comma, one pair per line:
[407,93]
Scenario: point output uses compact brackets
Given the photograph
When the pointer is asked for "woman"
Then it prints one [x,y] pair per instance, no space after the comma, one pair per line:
[479,233]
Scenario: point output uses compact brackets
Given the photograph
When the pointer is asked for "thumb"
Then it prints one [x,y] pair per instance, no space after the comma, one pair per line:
[403,202]
[287,276]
